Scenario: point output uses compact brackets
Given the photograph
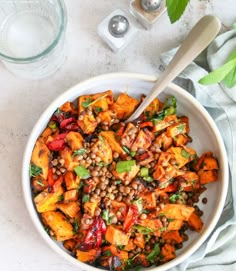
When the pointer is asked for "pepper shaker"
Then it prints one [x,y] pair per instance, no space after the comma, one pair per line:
[147,12]
[117,30]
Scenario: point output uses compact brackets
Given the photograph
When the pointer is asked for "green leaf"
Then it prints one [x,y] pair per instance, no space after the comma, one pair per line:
[151,257]
[173,198]
[61,198]
[142,229]
[35,170]
[87,103]
[175,9]
[107,253]
[79,152]
[230,78]
[82,172]
[85,198]
[180,128]
[75,227]
[124,166]
[132,153]
[98,109]
[219,74]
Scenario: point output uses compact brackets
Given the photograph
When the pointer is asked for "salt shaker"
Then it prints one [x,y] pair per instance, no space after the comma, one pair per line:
[117,30]
[147,12]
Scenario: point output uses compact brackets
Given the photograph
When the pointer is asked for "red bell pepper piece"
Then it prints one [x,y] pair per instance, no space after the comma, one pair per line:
[53,185]
[69,124]
[131,217]
[120,131]
[93,238]
[58,143]
[142,156]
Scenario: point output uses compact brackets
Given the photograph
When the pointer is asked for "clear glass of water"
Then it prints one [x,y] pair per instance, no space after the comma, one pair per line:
[32,36]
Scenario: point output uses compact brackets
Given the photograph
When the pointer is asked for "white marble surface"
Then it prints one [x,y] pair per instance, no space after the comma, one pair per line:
[22,102]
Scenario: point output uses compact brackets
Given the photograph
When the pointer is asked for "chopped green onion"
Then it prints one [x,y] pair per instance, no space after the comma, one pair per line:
[126,150]
[125,166]
[148,179]
[132,153]
[82,172]
[144,172]
[52,125]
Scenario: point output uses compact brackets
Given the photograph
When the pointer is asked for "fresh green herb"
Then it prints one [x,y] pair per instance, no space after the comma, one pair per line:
[124,166]
[60,198]
[145,211]
[35,170]
[47,229]
[148,179]
[174,197]
[126,150]
[118,182]
[82,172]
[39,182]
[107,253]
[121,247]
[129,262]
[101,138]
[162,229]
[170,219]
[79,152]
[87,103]
[139,203]
[226,73]
[85,198]
[107,216]
[132,153]
[142,229]
[151,257]
[75,227]
[147,114]
[101,164]
[185,154]
[144,172]
[170,102]
[98,109]
[52,125]
[175,9]
[170,111]
[161,214]
[180,128]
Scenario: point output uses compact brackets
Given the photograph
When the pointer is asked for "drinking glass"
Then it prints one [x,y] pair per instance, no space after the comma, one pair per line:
[32,35]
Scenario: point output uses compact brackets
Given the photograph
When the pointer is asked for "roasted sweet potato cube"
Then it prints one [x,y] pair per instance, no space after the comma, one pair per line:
[195,222]
[116,236]
[130,246]
[90,207]
[70,209]
[176,129]
[166,122]
[46,133]
[70,161]
[107,116]
[114,144]
[145,158]
[41,157]
[126,139]
[83,99]
[181,139]
[123,255]
[175,225]
[103,150]
[70,244]
[46,201]
[182,155]
[154,224]
[152,108]
[59,224]
[68,107]
[200,161]
[102,100]
[139,240]
[87,123]
[209,163]
[149,200]
[127,175]
[142,141]
[208,176]
[72,180]
[88,256]
[177,211]
[168,252]
[38,184]
[74,140]
[164,141]
[189,181]
[124,106]
[71,195]
[172,236]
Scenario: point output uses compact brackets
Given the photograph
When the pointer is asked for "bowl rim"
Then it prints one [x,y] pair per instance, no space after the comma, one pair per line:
[66,96]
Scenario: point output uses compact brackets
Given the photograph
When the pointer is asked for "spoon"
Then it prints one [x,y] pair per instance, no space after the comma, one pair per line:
[196,41]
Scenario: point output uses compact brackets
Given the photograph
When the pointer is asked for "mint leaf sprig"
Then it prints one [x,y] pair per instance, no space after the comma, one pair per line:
[225,74]
[175,9]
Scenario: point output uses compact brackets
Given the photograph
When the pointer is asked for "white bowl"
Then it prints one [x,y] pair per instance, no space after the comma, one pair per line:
[202,129]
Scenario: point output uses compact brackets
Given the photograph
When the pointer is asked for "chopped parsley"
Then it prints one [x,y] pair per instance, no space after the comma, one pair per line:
[35,170]
[85,198]
[82,172]
[79,152]
[151,257]
[124,166]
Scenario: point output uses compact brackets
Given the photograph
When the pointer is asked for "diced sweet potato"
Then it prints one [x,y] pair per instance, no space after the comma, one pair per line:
[154,224]
[168,252]
[70,244]
[195,222]
[46,133]
[200,161]
[172,236]
[68,107]
[181,140]
[107,116]
[126,139]
[124,106]
[111,139]
[175,225]
[164,141]
[72,181]
[182,155]
[74,140]
[81,100]
[149,200]
[166,122]
[116,236]
[142,141]
[87,123]
[70,209]
[67,155]
[208,176]
[103,150]
[145,158]
[90,207]
[71,195]
[152,108]
[177,211]
[130,246]
[46,201]
[189,181]
[88,256]
[127,175]
[102,100]
[123,255]
[139,240]
[176,129]
[60,226]
[41,157]
[209,163]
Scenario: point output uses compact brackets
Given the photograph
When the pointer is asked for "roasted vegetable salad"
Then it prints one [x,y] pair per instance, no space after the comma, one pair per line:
[119,195]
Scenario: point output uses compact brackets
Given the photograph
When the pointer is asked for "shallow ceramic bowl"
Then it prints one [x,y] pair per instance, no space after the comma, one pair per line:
[202,129]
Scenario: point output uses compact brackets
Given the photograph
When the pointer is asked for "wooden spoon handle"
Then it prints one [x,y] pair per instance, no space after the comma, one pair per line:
[197,40]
